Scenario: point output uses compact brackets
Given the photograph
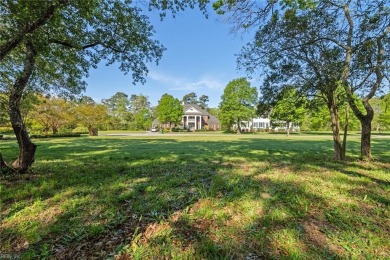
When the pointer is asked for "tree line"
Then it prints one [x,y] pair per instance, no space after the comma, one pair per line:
[45,114]
[240,102]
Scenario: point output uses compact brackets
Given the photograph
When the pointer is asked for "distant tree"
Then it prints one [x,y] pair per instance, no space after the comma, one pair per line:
[4,117]
[190,98]
[318,117]
[215,111]
[85,100]
[169,110]
[203,100]
[118,109]
[117,101]
[27,104]
[91,116]
[139,103]
[289,107]
[376,104]
[53,113]
[384,117]
[141,112]
[142,120]
[238,103]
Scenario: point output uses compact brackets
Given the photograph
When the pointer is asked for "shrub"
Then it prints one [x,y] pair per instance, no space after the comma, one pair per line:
[55,136]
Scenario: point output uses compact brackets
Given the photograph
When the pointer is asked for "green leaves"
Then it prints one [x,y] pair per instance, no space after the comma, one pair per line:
[78,36]
[169,109]
[238,101]
[289,106]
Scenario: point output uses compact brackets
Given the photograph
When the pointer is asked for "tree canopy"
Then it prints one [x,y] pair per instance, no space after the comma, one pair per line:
[169,110]
[238,103]
[318,46]
[203,100]
[51,45]
[289,107]
[92,116]
[190,98]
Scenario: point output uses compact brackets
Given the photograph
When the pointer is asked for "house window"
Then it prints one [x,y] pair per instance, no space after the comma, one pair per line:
[191,117]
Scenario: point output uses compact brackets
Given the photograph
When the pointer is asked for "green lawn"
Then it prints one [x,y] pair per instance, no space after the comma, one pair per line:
[249,196]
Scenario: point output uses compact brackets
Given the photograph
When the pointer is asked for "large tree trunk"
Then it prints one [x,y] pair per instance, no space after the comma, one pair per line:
[365,119]
[365,139]
[55,130]
[335,121]
[345,130]
[93,131]
[3,165]
[26,147]
[288,128]
[365,122]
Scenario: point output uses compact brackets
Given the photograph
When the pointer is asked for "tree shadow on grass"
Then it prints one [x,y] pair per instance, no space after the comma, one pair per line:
[278,219]
[90,197]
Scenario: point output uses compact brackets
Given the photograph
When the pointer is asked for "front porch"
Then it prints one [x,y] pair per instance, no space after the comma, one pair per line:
[193,122]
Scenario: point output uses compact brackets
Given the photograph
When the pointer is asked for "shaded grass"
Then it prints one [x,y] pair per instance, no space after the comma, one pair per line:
[202,197]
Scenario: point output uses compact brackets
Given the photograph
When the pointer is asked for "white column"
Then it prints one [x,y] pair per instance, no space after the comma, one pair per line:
[200,122]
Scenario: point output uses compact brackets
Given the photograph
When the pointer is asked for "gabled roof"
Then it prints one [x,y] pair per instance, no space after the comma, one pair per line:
[213,120]
[194,109]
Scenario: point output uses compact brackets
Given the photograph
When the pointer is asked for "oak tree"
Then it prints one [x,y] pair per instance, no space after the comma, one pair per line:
[190,98]
[289,107]
[51,45]
[169,110]
[238,103]
[92,116]
[324,46]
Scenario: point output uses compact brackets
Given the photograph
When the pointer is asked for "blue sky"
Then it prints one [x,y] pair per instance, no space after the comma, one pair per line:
[200,58]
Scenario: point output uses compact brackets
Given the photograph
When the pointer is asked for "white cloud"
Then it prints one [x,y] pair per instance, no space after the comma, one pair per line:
[165,78]
[178,83]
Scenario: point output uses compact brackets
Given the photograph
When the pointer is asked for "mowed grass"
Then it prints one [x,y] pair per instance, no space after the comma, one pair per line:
[249,196]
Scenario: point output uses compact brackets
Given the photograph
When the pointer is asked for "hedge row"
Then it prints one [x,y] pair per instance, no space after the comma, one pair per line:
[54,136]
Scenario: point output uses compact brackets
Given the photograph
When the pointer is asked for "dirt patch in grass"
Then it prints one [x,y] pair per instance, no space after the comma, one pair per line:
[102,246]
[314,234]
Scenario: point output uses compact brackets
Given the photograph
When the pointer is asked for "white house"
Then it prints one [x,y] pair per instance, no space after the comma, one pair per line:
[263,123]
[257,124]
[194,117]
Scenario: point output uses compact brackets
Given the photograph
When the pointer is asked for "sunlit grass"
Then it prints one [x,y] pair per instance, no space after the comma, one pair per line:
[246,196]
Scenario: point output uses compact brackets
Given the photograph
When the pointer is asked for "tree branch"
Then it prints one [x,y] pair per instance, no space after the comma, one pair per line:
[73,46]
[15,40]
[378,71]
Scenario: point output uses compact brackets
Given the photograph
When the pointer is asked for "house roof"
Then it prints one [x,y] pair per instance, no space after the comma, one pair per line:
[194,109]
[213,120]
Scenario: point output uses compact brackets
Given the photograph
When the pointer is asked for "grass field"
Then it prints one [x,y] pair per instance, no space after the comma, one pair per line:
[249,196]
